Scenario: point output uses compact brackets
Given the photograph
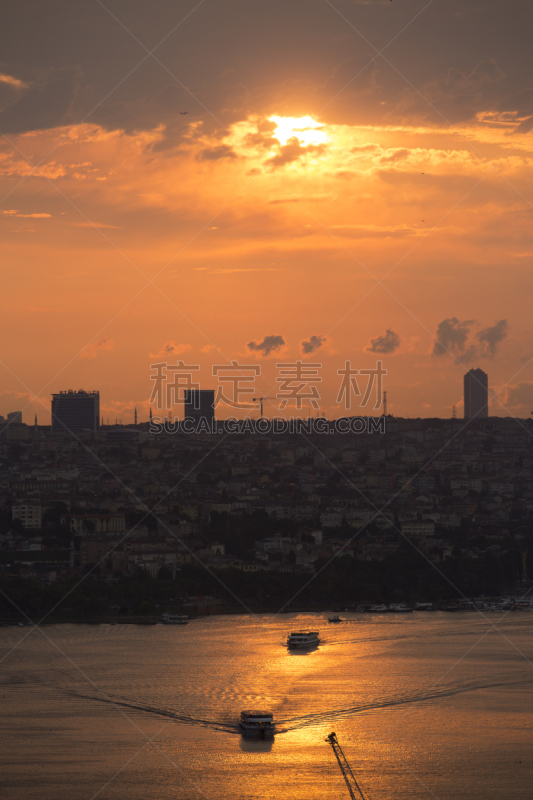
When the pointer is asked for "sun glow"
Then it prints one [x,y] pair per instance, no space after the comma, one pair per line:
[305,129]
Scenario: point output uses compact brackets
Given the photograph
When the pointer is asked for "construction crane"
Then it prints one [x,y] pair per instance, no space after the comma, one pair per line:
[346,770]
[260,400]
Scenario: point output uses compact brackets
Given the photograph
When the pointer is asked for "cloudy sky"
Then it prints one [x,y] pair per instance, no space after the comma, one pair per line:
[351,182]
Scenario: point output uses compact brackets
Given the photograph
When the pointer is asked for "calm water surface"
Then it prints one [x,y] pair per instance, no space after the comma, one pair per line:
[424,705]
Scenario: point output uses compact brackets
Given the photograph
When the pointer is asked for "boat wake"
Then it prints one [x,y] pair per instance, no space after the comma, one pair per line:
[175,716]
[429,695]
[289,724]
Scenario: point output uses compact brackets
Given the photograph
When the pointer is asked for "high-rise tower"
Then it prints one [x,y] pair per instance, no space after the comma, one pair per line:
[476,394]
[199,404]
[75,411]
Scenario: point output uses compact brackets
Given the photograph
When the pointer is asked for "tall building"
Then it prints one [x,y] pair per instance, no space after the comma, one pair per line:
[14,416]
[199,404]
[75,411]
[476,394]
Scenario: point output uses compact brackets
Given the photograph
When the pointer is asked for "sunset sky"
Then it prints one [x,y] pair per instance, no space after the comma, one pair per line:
[352,181]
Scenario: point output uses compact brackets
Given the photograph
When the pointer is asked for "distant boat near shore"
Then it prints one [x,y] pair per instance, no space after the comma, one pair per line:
[175,619]
[400,608]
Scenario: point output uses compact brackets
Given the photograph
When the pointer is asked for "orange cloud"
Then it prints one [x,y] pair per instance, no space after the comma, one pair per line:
[15,213]
[94,349]
[14,82]
[171,349]
[305,241]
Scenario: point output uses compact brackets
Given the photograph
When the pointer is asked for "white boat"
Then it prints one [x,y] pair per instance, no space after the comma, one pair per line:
[257,723]
[300,639]
[423,606]
[400,608]
[334,618]
[175,619]
[377,609]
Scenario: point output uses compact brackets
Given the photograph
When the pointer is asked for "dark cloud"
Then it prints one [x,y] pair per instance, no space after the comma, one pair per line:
[216,153]
[519,106]
[382,95]
[459,96]
[452,339]
[263,137]
[525,126]
[217,54]
[521,103]
[11,89]
[44,106]
[269,344]
[451,336]
[313,343]
[520,397]
[489,338]
[388,342]
[398,155]
[292,151]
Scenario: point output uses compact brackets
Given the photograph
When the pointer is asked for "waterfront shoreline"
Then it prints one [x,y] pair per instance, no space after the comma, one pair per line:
[154,619]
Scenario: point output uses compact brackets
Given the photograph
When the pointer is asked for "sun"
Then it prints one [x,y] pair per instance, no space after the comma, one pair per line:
[305,129]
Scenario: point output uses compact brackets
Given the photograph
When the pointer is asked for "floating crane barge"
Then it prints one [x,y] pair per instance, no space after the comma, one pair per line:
[345,768]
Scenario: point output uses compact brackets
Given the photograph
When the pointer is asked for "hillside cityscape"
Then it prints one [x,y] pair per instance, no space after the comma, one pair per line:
[153,520]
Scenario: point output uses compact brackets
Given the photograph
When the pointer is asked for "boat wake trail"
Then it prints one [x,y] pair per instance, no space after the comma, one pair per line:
[438,693]
[320,717]
[182,719]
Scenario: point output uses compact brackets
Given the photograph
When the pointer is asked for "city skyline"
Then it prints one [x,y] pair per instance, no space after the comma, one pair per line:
[506,400]
[179,402]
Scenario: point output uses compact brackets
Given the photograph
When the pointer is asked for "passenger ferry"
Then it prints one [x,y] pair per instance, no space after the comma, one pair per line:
[175,619]
[257,723]
[301,639]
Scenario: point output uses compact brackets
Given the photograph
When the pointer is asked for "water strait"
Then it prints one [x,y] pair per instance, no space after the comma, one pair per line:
[424,705]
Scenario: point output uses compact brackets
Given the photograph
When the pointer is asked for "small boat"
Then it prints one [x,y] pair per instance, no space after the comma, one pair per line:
[377,609]
[301,639]
[423,606]
[257,723]
[335,618]
[175,619]
[400,608]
